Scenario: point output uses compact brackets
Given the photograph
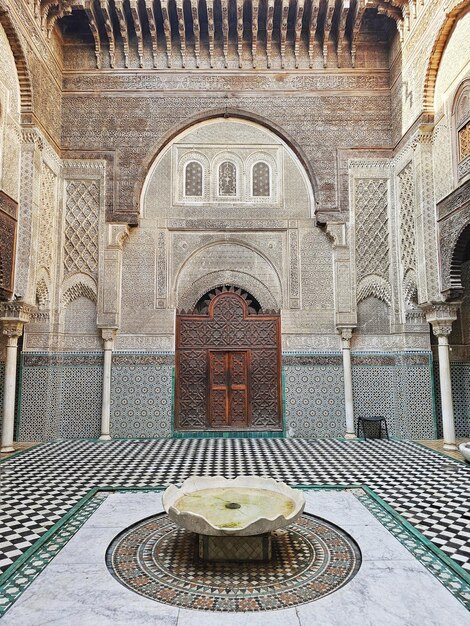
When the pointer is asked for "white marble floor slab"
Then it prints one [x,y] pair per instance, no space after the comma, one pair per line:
[391,588]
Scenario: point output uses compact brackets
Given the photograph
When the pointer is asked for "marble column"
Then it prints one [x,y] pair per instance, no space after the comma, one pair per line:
[13,329]
[346,336]
[441,316]
[108,335]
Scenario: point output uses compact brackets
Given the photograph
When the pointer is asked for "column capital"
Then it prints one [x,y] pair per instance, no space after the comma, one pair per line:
[13,330]
[441,315]
[346,332]
[108,335]
[16,311]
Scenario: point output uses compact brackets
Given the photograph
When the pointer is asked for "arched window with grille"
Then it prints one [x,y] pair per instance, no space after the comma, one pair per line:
[461,126]
[261,180]
[227,179]
[193,182]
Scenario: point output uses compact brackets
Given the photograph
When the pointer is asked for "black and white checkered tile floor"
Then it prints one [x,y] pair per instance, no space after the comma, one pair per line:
[39,486]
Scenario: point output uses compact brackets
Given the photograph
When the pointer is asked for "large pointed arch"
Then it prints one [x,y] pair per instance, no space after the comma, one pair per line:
[24,76]
[455,10]
[156,150]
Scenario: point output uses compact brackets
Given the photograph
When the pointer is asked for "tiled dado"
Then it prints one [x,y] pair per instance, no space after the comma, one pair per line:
[61,394]
[142,395]
[460,376]
[396,385]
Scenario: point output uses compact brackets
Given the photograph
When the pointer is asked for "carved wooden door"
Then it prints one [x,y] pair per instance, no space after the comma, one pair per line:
[228,389]
[228,367]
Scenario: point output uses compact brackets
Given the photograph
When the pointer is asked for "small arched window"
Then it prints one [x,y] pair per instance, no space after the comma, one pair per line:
[464,142]
[227,179]
[193,179]
[461,125]
[261,184]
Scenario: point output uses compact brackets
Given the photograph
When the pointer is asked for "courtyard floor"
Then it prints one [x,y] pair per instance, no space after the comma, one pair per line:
[49,492]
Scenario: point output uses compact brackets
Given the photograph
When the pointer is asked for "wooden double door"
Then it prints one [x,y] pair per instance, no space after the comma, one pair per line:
[228,368]
[228,388]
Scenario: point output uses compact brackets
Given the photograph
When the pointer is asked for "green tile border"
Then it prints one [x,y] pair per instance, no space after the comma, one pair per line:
[17,578]
[230,434]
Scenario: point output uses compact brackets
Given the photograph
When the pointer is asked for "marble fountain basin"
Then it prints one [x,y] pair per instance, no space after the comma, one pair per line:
[243,506]
[465,450]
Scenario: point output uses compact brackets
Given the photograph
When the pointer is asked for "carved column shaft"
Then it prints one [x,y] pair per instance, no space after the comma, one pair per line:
[108,335]
[346,336]
[13,316]
[13,330]
[441,317]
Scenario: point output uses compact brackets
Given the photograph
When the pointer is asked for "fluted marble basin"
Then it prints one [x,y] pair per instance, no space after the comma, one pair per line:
[246,505]
[465,450]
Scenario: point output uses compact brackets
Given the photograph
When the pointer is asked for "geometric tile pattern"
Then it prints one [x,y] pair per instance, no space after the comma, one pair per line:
[20,580]
[402,394]
[141,400]
[460,380]
[454,583]
[142,404]
[38,487]
[52,396]
[391,385]
[314,401]
[310,559]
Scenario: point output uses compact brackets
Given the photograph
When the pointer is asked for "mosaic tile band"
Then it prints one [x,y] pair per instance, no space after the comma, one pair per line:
[157,559]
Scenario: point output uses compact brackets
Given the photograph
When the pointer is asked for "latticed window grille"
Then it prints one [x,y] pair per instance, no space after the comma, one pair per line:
[227,179]
[261,183]
[193,179]
[464,142]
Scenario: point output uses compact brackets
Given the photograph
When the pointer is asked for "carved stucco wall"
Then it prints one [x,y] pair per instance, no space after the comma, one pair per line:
[322,113]
[183,247]
[9,120]
[453,69]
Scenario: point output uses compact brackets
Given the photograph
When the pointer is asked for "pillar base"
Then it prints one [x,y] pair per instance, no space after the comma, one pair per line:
[350,436]
[7,449]
[105,438]
[450,446]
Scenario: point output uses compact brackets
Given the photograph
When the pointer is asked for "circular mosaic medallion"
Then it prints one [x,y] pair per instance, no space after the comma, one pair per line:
[157,559]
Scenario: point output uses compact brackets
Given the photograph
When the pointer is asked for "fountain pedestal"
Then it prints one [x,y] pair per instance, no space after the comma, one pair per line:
[235,548]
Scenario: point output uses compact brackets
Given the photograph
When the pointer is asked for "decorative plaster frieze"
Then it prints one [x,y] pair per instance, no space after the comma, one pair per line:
[16,310]
[441,316]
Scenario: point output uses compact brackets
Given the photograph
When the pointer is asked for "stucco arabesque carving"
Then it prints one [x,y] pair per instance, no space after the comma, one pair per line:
[336,231]
[13,316]
[441,316]
[346,333]
[108,336]
[117,235]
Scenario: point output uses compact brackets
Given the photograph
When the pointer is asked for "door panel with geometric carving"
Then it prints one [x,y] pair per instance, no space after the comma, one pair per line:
[228,389]
[228,366]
